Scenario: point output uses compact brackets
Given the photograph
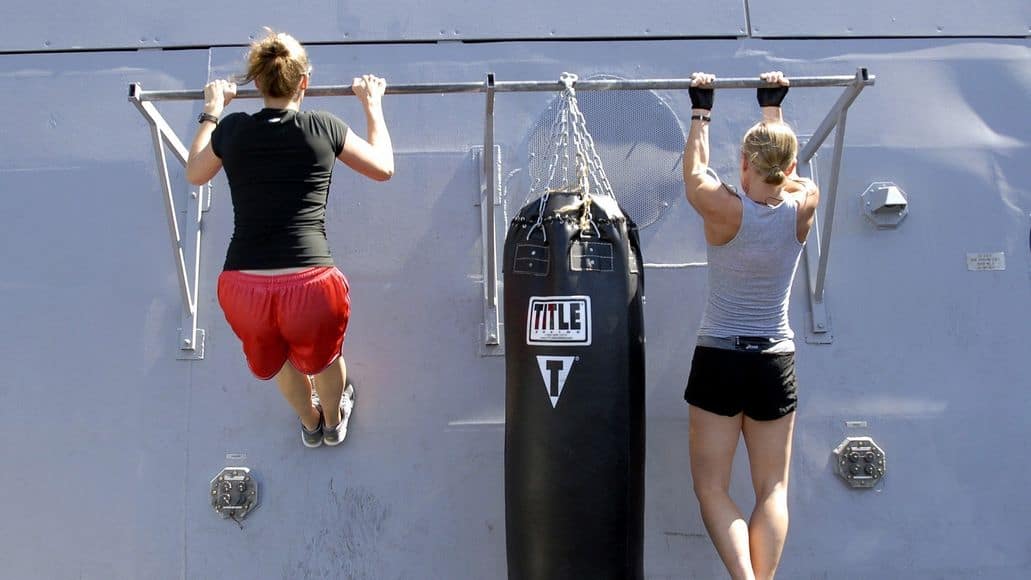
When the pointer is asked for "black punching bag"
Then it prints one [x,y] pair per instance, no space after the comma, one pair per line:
[574,400]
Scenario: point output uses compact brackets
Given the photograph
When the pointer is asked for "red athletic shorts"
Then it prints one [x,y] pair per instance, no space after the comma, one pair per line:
[299,317]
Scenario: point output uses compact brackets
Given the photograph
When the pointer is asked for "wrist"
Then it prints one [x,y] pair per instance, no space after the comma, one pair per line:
[213,110]
[772,112]
[207,119]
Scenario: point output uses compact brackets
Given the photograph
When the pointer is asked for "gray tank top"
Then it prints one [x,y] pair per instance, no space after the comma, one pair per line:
[750,276]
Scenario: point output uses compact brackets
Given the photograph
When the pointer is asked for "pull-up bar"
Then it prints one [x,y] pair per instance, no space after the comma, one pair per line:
[192,338]
[521,87]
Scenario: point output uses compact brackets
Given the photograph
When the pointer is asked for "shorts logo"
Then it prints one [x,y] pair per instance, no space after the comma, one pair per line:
[559,321]
[555,371]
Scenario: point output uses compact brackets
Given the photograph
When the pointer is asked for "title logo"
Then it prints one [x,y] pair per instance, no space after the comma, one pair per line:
[555,371]
[559,321]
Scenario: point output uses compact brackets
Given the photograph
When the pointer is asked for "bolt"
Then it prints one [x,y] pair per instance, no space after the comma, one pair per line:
[187,342]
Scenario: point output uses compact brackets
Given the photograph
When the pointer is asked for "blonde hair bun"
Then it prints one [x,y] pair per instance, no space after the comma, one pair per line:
[770,147]
[276,63]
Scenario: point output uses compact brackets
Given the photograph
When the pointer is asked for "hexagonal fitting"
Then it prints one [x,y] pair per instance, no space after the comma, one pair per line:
[234,492]
[860,462]
[885,204]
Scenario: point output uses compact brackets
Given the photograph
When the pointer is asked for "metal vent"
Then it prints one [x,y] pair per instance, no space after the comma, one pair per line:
[640,142]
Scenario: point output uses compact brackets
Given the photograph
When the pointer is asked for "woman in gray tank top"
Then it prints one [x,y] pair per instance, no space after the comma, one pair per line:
[742,377]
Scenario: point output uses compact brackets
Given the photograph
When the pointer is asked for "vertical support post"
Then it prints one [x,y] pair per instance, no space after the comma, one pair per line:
[818,328]
[832,199]
[490,198]
[191,338]
[817,253]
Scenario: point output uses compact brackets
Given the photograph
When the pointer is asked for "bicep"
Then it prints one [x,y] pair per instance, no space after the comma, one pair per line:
[809,198]
[203,166]
[362,157]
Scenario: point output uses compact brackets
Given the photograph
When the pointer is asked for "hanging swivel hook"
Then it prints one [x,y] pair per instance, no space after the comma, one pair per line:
[568,80]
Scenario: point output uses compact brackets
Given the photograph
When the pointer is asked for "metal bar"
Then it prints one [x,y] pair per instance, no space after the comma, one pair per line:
[812,247]
[522,86]
[173,223]
[832,198]
[860,80]
[153,116]
[492,332]
[196,216]
[191,338]
[819,323]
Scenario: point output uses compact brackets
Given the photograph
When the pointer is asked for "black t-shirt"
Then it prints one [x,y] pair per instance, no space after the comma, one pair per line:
[279,164]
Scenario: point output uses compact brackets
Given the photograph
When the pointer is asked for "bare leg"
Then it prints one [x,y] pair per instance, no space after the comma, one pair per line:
[296,389]
[330,386]
[713,441]
[769,455]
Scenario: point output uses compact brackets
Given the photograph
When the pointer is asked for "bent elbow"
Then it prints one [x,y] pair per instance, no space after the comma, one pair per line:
[194,178]
[384,174]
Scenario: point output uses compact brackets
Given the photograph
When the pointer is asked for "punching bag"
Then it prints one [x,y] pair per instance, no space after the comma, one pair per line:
[574,399]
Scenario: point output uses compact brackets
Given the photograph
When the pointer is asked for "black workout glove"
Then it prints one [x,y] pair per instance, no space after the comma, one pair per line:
[701,98]
[771,97]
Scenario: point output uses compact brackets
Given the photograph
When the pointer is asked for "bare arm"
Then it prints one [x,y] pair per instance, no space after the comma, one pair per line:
[202,163]
[373,158]
[703,191]
[802,189]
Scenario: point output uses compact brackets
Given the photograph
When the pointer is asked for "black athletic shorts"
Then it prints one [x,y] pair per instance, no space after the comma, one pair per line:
[728,382]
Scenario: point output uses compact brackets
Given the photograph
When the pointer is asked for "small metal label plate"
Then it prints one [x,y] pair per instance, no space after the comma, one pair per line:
[986,262]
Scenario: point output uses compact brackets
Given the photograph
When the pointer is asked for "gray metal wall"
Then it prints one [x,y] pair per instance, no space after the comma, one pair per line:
[109,442]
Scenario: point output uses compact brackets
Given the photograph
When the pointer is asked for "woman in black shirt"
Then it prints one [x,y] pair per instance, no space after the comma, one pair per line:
[279,289]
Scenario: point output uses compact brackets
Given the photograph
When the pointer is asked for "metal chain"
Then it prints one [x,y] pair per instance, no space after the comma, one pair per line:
[568,134]
[594,160]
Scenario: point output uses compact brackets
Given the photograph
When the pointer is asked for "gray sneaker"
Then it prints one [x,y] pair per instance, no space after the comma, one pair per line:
[313,438]
[335,435]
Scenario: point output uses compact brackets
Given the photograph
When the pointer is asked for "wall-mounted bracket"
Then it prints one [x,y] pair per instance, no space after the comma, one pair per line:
[490,202]
[190,338]
[817,250]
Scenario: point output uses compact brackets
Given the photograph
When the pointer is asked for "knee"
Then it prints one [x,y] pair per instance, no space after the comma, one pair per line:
[775,492]
[707,491]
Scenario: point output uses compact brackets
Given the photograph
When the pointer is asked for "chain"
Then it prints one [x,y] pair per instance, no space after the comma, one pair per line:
[570,120]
